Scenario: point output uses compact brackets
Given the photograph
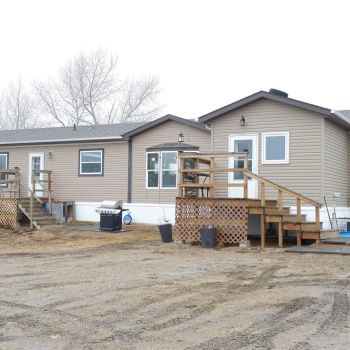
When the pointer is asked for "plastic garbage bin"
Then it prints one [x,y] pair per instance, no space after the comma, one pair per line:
[166,232]
[208,237]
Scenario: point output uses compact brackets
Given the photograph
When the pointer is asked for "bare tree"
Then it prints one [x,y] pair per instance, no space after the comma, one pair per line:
[89,91]
[17,108]
[138,100]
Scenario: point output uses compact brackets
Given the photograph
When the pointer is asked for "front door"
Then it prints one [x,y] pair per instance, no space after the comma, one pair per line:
[36,162]
[243,143]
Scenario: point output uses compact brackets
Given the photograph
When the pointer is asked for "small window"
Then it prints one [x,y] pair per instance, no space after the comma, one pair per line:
[161,170]
[152,170]
[275,148]
[91,162]
[3,166]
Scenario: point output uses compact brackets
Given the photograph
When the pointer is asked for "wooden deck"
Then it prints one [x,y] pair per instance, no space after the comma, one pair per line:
[270,210]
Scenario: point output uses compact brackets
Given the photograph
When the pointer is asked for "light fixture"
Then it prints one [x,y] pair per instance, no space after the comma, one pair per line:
[243,121]
[181,137]
[50,153]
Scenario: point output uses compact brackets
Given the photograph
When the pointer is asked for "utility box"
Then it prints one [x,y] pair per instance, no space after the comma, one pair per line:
[63,211]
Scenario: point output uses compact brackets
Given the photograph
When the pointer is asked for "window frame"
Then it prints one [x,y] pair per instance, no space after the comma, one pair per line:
[6,154]
[81,152]
[264,136]
[160,170]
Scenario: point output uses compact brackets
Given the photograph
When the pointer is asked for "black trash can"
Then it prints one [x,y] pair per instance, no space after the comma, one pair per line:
[208,237]
[166,232]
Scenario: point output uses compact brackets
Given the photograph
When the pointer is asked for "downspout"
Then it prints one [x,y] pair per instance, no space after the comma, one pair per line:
[129,170]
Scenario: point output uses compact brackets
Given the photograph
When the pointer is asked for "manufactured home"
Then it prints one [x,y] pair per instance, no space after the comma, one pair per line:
[298,147]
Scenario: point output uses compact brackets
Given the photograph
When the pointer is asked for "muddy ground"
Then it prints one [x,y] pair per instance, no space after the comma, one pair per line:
[77,289]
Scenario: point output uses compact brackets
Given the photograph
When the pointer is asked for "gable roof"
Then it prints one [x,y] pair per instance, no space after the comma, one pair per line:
[162,120]
[336,116]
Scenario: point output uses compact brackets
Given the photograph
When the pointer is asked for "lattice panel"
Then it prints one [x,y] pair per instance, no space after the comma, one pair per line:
[229,216]
[8,212]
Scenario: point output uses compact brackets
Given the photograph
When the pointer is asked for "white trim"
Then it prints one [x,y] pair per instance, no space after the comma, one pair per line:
[38,187]
[81,173]
[263,146]
[6,165]
[160,169]
[252,190]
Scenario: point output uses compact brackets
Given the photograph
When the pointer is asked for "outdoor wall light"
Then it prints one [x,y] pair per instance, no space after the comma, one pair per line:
[243,121]
[181,137]
[50,154]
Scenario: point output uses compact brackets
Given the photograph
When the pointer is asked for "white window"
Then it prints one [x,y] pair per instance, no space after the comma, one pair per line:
[275,148]
[3,166]
[161,169]
[91,162]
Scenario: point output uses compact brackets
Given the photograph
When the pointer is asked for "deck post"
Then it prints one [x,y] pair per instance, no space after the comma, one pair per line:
[31,209]
[262,229]
[298,210]
[280,235]
[245,176]
[181,166]
[317,216]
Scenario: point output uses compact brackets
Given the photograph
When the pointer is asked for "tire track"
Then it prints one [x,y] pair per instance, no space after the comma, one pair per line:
[261,334]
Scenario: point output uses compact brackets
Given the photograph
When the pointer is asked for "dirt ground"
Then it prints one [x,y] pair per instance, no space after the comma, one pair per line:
[78,289]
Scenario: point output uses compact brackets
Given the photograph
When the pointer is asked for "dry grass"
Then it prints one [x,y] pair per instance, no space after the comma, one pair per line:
[63,237]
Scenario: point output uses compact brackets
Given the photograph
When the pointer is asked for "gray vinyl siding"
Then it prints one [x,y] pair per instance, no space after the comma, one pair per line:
[67,184]
[164,133]
[303,173]
[336,168]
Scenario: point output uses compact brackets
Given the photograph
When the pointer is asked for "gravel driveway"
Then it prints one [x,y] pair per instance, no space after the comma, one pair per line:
[94,290]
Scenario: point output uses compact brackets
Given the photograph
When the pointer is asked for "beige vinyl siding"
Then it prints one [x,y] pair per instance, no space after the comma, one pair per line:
[336,168]
[303,173]
[67,184]
[164,133]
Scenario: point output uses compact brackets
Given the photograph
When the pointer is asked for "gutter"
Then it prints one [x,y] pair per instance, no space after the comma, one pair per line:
[62,140]
[340,116]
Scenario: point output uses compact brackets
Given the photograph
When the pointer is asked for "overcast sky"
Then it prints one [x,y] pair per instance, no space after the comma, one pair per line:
[207,54]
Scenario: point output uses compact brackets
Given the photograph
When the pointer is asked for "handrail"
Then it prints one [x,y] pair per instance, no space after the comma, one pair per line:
[283,189]
[45,189]
[31,192]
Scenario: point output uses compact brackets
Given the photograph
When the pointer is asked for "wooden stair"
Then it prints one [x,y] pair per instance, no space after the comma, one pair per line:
[41,217]
[305,230]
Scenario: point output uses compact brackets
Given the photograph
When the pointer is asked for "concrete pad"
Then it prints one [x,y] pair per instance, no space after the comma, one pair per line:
[338,240]
[318,250]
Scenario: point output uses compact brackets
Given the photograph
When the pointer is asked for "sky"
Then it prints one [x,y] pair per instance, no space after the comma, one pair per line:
[207,54]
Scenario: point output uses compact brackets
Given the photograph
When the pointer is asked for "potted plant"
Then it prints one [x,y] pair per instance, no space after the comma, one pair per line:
[165,229]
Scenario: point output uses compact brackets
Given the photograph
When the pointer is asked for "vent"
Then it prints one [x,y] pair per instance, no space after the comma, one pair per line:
[278,92]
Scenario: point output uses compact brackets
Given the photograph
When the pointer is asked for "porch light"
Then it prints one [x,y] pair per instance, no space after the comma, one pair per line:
[243,121]
[181,137]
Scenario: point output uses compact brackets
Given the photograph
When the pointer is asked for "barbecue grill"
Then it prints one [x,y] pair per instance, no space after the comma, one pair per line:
[111,215]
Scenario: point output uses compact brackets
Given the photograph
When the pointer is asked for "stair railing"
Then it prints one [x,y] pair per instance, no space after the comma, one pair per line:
[42,187]
[281,190]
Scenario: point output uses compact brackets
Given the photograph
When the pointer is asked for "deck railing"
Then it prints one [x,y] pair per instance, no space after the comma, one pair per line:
[9,183]
[205,164]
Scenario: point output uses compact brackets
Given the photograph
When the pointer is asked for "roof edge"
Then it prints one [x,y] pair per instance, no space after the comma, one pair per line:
[163,120]
[256,97]
[63,140]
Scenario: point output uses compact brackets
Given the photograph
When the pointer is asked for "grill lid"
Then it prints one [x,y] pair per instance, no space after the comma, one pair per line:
[112,204]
